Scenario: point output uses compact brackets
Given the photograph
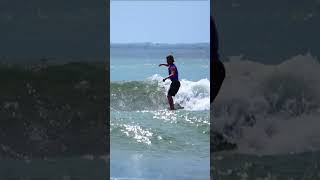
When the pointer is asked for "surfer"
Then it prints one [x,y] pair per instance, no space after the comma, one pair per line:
[173,76]
[217,73]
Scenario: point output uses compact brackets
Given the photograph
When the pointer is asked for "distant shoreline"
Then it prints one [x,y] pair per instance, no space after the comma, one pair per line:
[149,44]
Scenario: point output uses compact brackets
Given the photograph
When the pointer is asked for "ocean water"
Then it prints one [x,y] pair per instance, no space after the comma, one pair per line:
[272,113]
[147,140]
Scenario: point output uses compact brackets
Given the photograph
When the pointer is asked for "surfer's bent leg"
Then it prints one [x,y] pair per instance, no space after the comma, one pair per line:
[170,101]
[174,88]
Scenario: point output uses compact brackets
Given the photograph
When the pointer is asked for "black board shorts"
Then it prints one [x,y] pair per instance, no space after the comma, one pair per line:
[174,88]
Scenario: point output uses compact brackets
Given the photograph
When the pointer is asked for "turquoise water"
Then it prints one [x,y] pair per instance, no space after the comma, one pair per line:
[160,144]
[140,69]
[147,140]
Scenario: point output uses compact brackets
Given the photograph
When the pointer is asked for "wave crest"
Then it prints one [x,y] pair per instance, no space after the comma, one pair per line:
[151,94]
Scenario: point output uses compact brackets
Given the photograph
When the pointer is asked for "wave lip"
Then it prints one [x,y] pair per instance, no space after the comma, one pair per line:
[150,94]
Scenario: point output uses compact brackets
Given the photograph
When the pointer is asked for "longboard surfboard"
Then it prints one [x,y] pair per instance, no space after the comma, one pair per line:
[177,107]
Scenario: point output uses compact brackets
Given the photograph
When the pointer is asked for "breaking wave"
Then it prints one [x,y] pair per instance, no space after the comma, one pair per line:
[151,94]
[270,109]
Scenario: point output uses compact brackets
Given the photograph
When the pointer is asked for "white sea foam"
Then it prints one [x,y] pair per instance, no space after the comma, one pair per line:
[270,109]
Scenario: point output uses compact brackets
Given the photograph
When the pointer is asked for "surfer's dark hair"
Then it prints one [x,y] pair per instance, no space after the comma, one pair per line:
[170,57]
